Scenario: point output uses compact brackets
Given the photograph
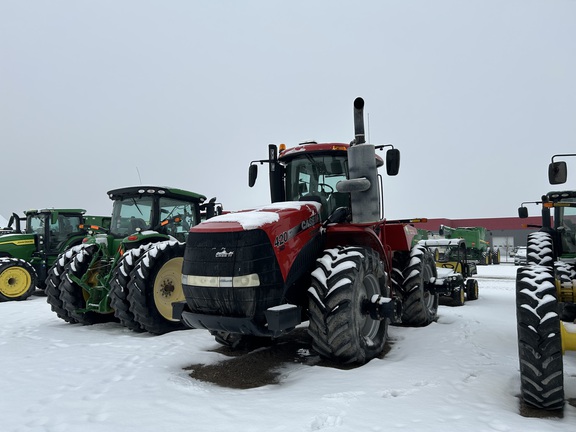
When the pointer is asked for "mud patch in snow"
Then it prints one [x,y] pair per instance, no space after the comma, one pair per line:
[252,366]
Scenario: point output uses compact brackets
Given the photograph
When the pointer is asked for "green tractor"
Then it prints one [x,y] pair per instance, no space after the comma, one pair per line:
[130,272]
[478,246]
[26,254]
[546,296]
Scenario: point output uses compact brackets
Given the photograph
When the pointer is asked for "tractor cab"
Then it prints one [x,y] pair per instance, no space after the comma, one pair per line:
[168,211]
[311,171]
[54,227]
[563,221]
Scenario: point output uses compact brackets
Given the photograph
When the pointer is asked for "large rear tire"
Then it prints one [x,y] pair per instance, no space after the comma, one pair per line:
[17,279]
[73,296]
[156,283]
[344,280]
[53,280]
[539,338]
[119,287]
[420,305]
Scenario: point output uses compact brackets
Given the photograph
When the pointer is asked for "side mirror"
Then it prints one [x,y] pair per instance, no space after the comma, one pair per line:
[557,172]
[392,162]
[252,174]
[522,212]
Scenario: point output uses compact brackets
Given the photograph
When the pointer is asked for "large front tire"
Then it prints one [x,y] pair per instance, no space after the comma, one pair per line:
[539,338]
[155,284]
[540,249]
[17,279]
[420,305]
[344,280]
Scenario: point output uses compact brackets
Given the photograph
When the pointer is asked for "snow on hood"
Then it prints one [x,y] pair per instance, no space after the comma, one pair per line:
[253,219]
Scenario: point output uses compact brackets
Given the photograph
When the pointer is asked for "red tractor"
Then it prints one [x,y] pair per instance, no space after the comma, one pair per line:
[321,252]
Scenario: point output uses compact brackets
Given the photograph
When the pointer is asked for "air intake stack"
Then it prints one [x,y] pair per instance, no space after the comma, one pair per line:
[362,183]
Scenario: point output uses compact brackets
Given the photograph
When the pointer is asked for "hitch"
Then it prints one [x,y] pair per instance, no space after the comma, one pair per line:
[380,308]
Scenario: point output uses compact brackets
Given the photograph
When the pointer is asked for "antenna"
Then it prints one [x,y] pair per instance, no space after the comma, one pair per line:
[139,178]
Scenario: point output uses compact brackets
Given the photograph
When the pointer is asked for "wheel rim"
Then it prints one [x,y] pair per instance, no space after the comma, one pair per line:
[462,299]
[15,281]
[368,327]
[475,289]
[168,287]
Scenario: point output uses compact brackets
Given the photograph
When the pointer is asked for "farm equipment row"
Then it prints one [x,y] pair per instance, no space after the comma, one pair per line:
[320,252]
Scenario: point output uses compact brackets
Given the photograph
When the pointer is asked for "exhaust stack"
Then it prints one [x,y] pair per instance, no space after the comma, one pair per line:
[360,137]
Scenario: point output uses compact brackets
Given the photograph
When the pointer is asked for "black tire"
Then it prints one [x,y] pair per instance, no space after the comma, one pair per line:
[540,249]
[341,330]
[119,287]
[471,289]
[156,283]
[496,256]
[399,262]
[539,338]
[17,279]
[564,275]
[459,297]
[53,280]
[420,305]
[72,295]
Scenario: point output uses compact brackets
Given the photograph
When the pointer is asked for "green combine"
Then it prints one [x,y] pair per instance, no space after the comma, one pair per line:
[477,244]
[26,254]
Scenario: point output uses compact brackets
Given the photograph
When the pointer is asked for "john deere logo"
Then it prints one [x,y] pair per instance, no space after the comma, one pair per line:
[224,253]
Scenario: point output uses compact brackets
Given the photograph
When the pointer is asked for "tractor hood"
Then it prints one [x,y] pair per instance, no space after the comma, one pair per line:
[17,239]
[291,217]
[287,226]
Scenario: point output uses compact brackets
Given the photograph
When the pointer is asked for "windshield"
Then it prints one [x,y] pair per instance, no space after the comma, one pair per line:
[186,212]
[314,178]
[567,227]
[35,224]
[130,214]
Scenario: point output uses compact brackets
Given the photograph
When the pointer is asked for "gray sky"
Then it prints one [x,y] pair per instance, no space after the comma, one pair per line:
[96,95]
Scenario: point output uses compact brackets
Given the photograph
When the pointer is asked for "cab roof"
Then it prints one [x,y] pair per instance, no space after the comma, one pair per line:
[319,148]
[54,210]
[169,192]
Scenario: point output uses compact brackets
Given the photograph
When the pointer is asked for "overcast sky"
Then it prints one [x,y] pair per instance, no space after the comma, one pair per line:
[95,95]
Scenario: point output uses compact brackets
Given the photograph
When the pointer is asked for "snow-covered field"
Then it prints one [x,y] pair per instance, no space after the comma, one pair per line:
[459,374]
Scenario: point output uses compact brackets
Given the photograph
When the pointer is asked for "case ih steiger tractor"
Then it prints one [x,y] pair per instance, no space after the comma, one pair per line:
[131,272]
[546,296]
[26,254]
[320,252]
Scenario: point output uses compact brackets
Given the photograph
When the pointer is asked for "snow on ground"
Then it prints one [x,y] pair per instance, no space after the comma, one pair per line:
[459,374]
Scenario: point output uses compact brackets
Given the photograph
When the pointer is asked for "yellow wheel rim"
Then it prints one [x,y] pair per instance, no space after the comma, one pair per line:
[462,298]
[168,287]
[15,281]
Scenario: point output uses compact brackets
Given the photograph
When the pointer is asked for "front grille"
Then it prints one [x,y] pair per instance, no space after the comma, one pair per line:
[232,254]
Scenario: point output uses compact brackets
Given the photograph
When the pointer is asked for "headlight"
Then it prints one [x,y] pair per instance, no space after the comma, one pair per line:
[245,281]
